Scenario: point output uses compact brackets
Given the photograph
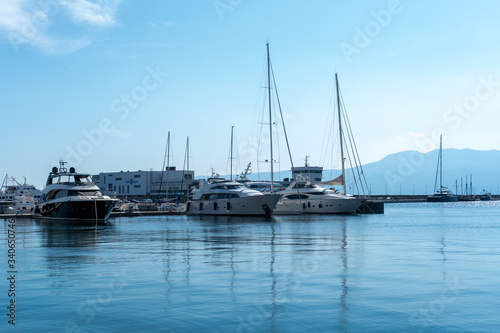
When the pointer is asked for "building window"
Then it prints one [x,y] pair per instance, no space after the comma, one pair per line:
[137,176]
[137,186]
[128,190]
[118,179]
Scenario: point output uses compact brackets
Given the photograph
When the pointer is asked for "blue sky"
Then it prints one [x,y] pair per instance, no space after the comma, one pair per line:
[100,83]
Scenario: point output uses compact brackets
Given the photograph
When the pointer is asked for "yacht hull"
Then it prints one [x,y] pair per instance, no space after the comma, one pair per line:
[258,205]
[442,198]
[76,209]
[318,206]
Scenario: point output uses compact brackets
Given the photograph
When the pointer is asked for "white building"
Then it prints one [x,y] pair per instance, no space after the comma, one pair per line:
[142,185]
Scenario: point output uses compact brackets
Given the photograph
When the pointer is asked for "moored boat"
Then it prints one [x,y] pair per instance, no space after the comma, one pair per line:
[442,194]
[73,196]
[313,199]
[217,196]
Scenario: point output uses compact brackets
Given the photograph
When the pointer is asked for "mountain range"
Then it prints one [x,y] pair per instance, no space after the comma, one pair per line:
[413,172]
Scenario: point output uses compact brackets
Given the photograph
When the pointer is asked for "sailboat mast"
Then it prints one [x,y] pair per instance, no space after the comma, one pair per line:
[470,187]
[186,162]
[187,156]
[270,116]
[340,133]
[441,164]
[168,164]
[231,167]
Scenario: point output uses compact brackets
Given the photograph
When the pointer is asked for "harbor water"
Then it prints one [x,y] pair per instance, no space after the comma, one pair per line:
[420,267]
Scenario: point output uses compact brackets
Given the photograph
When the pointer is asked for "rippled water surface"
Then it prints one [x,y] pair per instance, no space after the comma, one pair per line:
[417,268]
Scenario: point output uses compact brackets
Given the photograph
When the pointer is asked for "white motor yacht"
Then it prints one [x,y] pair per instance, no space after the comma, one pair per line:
[217,196]
[72,195]
[11,189]
[312,199]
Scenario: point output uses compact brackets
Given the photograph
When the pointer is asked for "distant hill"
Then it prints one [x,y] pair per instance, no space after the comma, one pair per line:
[411,172]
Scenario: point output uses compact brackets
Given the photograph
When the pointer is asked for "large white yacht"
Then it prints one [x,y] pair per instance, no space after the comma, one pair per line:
[310,198]
[72,195]
[11,189]
[17,198]
[217,196]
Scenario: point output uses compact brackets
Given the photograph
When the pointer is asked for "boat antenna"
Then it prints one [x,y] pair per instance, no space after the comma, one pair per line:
[340,132]
[62,168]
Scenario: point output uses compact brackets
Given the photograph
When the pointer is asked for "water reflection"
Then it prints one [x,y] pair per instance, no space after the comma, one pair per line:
[70,246]
[274,279]
[443,254]
[342,324]
[67,233]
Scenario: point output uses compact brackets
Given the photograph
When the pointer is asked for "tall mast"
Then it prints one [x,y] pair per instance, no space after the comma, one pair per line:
[186,162]
[168,163]
[187,156]
[270,116]
[470,187]
[441,164]
[340,133]
[231,172]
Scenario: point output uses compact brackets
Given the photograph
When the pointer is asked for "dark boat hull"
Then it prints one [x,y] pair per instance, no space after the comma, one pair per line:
[76,209]
[442,198]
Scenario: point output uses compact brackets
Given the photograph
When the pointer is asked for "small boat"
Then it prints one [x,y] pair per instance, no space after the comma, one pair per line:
[442,194]
[73,196]
[485,196]
[217,196]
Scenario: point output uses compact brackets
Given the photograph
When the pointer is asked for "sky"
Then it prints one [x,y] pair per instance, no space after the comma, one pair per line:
[99,84]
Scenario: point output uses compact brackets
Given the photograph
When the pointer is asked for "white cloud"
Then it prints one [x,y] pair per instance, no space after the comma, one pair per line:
[27,21]
[415,135]
[97,13]
[163,25]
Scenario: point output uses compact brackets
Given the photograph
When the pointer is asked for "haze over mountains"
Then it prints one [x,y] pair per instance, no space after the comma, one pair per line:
[413,172]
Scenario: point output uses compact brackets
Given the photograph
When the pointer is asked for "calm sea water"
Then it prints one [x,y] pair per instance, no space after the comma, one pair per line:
[417,268]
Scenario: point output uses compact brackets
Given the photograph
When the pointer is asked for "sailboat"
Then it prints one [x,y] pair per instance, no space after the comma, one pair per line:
[313,199]
[218,196]
[441,194]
